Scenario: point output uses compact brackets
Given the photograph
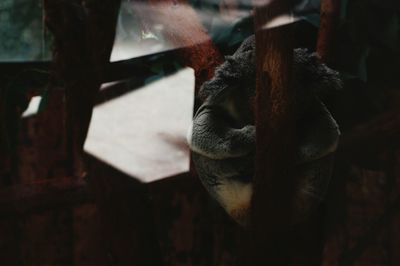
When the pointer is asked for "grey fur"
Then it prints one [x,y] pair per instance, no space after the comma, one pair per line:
[223,133]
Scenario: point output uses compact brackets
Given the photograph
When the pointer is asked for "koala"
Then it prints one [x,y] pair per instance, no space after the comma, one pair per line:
[222,136]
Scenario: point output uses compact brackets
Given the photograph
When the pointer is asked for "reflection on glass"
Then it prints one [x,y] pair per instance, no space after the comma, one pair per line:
[142,26]
[133,36]
[141,29]
[22,31]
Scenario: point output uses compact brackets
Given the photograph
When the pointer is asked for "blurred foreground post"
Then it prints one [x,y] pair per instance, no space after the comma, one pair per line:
[274,182]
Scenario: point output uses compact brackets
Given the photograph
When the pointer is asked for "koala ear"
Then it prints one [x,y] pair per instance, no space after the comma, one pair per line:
[315,77]
[237,68]
[247,45]
[211,88]
[328,80]
[227,78]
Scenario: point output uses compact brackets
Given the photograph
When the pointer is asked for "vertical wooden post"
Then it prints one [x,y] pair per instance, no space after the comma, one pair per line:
[274,183]
[83,38]
[330,10]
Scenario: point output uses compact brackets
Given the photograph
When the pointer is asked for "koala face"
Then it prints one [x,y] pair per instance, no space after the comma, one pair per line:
[222,137]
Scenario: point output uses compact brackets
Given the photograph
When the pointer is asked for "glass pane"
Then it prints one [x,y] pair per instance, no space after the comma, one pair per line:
[22,31]
[141,30]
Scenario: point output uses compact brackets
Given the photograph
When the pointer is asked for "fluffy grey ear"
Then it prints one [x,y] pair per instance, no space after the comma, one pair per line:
[236,71]
[247,45]
[318,79]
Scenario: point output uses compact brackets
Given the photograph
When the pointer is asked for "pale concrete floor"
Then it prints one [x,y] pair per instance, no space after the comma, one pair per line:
[143,133]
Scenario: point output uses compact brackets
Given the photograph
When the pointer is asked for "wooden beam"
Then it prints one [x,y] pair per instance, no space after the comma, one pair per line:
[274,183]
[329,23]
[126,216]
[83,38]
[42,195]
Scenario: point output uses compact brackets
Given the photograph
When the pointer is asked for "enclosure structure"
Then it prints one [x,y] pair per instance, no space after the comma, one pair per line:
[60,206]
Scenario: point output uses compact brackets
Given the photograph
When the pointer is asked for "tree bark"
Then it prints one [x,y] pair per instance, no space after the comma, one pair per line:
[274,183]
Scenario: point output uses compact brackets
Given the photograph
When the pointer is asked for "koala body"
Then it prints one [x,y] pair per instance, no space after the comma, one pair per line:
[222,137]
